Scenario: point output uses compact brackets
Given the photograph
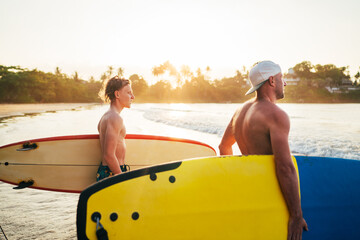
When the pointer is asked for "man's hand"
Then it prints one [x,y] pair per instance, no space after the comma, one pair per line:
[295,228]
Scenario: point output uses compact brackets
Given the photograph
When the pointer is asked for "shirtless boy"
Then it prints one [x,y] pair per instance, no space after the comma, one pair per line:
[111,127]
[262,128]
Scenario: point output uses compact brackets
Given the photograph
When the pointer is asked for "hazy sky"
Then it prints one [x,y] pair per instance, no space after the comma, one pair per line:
[87,36]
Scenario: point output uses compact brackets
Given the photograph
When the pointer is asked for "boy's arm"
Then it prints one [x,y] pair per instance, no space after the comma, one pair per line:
[110,144]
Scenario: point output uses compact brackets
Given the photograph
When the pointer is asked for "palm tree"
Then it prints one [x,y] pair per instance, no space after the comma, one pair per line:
[156,71]
[186,72]
[207,70]
[103,77]
[110,70]
[76,76]
[57,71]
[198,72]
[357,77]
[120,71]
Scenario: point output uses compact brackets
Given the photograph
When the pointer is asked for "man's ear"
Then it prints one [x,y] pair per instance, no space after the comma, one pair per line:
[272,81]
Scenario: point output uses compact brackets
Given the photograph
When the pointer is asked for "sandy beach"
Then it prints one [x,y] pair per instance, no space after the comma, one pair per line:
[8,110]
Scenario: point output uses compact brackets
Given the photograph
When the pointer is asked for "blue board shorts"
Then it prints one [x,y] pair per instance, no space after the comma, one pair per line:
[104,171]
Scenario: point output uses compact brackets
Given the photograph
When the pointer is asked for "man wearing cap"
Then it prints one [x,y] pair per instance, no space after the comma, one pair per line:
[260,127]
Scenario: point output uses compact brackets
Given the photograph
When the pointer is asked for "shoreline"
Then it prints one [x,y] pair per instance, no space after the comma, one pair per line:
[21,109]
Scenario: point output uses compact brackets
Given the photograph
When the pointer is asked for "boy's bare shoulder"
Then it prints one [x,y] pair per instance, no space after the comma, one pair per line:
[114,118]
[111,117]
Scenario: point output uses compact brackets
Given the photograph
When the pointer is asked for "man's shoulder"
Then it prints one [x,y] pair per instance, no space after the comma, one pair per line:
[280,117]
[112,117]
[271,110]
[279,111]
[245,107]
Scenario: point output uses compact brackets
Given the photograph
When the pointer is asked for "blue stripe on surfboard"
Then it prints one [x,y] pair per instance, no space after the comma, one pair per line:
[330,197]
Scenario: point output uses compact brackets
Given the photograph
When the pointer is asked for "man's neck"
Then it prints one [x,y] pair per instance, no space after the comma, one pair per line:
[265,97]
[116,107]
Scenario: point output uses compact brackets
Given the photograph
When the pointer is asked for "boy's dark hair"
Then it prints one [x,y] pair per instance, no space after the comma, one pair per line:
[107,92]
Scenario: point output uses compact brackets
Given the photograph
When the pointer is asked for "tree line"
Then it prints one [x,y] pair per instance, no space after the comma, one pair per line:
[19,85]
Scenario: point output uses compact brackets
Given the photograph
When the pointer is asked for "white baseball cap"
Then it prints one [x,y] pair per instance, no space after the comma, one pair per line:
[262,72]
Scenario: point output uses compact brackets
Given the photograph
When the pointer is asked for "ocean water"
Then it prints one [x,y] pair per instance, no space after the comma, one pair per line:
[329,130]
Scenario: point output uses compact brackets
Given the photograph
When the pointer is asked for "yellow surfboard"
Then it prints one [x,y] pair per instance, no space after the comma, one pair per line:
[70,163]
[230,197]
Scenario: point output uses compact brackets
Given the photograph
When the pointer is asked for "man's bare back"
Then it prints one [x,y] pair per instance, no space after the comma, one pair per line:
[251,127]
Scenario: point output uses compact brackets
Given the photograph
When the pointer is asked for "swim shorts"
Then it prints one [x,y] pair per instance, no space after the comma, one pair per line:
[104,171]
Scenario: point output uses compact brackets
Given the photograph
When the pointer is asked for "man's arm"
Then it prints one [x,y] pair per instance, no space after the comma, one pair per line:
[110,143]
[227,141]
[286,173]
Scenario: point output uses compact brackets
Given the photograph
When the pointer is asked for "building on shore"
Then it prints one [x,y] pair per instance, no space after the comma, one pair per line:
[291,78]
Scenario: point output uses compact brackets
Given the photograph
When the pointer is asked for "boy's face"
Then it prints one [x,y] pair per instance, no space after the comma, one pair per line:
[125,96]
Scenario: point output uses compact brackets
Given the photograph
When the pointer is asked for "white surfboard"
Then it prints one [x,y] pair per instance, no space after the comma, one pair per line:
[70,163]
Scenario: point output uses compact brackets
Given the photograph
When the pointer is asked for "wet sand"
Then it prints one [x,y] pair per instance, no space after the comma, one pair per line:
[9,110]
